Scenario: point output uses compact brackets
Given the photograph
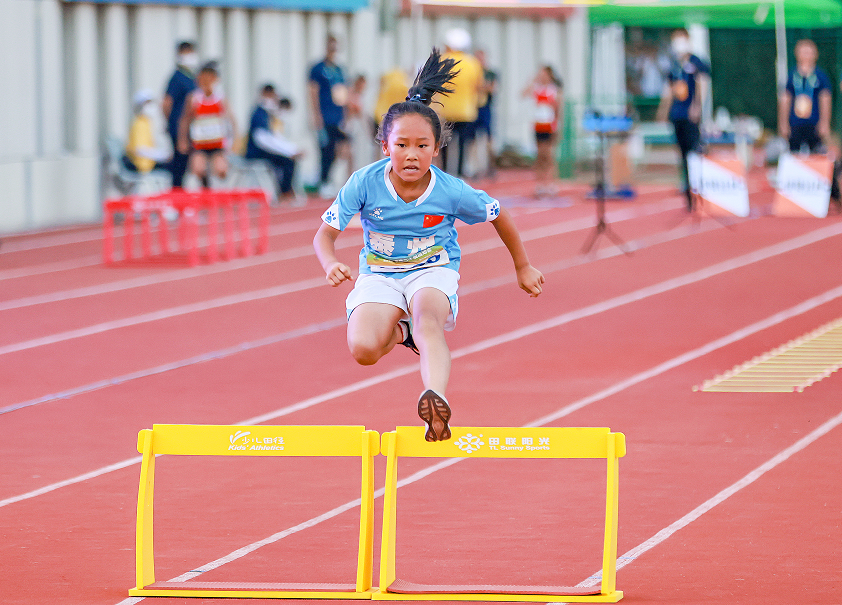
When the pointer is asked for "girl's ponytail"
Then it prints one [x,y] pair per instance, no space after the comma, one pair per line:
[433,78]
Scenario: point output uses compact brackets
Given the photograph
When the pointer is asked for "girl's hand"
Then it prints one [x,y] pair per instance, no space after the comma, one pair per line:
[530,280]
[338,273]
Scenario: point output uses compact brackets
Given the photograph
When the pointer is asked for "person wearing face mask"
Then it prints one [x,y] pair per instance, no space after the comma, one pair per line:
[681,101]
[181,84]
[142,154]
[266,140]
[804,109]
[327,93]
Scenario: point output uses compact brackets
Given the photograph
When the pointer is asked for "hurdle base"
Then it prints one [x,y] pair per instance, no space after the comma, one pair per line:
[401,590]
[250,590]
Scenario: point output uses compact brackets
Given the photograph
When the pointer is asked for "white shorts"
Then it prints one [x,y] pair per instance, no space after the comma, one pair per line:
[371,287]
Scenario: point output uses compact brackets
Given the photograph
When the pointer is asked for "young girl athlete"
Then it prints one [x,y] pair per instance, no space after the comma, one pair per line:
[410,261]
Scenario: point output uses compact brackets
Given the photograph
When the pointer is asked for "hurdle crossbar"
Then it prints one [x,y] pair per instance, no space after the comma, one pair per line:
[494,442]
[287,441]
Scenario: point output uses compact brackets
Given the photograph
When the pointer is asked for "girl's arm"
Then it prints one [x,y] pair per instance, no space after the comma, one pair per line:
[325,245]
[528,277]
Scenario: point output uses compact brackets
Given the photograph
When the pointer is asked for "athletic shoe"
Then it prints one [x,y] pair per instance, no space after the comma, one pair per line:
[434,410]
[408,342]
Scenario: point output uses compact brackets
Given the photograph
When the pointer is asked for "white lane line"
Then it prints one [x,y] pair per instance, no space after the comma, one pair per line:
[67,239]
[169,276]
[96,259]
[504,338]
[467,290]
[301,252]
[52,267]
[556,322]
[569,409]
[177,365]
[719,498]
[215,303]
[92,260]
[72,481]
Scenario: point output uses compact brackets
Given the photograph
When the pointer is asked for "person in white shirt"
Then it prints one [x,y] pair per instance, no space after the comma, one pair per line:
[266,140]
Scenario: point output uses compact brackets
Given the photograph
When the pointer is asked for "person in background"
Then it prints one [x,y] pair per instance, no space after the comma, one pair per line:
[804,108]
[460,107]
[207,127]
[357,124]
[485,112]
[546,91]
[142,154]
[681,101]
[393,86]
[180,85]
[266,140]
[328,95]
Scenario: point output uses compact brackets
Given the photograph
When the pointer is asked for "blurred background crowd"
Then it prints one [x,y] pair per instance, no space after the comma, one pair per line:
[110,97]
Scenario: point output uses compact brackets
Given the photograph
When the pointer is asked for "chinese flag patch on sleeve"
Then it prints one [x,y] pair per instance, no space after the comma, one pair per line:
[431,220]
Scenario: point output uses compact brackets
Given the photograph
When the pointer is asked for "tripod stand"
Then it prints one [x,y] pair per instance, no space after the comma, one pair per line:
[602,126]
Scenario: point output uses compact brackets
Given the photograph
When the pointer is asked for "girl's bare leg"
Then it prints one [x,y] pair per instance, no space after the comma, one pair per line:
[430,308]
[373,331]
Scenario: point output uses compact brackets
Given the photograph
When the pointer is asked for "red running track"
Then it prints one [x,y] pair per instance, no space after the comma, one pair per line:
[724,498]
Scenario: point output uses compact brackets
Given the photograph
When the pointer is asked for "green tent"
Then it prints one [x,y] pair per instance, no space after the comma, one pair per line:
[738,50]
[719,13]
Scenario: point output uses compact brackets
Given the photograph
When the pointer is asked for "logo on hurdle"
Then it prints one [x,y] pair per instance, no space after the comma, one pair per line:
[240,441]
[468,443]
[526,443]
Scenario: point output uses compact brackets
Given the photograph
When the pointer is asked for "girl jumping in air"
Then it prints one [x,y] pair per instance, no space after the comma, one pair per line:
[406,290]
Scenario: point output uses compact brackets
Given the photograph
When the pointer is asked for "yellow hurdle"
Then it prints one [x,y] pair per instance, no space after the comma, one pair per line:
[206,440]
[497,442]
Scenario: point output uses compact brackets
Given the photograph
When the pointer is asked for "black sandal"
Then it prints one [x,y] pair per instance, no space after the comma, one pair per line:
[436,413]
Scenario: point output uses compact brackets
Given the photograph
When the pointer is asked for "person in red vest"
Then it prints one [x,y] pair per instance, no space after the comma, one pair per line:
[207,127]
[546,91]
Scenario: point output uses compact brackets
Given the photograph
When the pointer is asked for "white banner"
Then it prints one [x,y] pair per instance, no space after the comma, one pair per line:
[803,185]
[720,181]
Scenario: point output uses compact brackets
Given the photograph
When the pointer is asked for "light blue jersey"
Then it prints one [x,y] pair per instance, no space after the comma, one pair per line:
[401,237]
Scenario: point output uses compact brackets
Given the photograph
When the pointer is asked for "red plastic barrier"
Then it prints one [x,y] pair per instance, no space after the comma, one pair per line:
[189,206]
